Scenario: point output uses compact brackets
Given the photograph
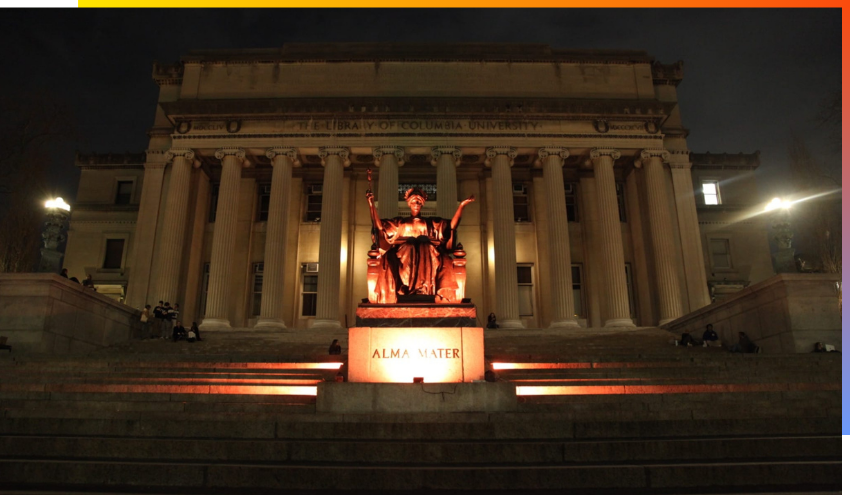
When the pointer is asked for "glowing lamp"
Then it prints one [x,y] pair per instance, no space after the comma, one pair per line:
[57,203]
[776,204]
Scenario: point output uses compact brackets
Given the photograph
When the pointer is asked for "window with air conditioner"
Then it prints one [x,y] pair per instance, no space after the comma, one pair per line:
[313,203]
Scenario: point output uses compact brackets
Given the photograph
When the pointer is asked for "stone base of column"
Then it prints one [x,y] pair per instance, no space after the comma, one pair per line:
[510,324]
[317,323]
[564,324]
[271,323]
[620,322]
[213,324]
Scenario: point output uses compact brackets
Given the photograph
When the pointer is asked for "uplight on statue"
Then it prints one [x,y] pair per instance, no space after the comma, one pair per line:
[416,323]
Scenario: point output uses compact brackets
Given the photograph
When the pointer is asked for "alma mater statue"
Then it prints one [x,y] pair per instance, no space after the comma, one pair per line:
[413,256]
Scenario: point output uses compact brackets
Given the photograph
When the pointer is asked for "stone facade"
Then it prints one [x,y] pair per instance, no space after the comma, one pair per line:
[254,183]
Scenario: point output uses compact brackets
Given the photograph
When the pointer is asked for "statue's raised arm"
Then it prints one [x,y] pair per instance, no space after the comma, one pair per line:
[459,212]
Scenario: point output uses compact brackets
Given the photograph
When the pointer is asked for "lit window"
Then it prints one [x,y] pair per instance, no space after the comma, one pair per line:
[265,194]
[123,192]
[710,193]
[114,253]
[526,290]
[572,204]
[313,209]
[720,254]
[309,288]
[429,189]
[258,289]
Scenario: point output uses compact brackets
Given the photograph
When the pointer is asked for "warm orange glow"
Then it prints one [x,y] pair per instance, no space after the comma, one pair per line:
[270,366]
[670,389]
[539,366]
[242,381]
[162,389]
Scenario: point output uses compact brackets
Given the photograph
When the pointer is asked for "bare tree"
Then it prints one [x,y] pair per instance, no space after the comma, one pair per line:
[819,216]
[31,126]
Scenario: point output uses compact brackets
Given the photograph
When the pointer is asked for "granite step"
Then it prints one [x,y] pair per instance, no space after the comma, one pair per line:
[239,478]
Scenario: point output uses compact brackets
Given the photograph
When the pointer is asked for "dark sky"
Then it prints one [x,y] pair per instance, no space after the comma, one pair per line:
[751,76]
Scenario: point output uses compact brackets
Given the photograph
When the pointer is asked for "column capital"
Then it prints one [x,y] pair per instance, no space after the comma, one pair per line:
[343,153]
[173,153]
[560,152]
[650,153]
[156,158]
[290,153]
[495,151]
[239,153]
[438,151]
[597,153]
[380,151]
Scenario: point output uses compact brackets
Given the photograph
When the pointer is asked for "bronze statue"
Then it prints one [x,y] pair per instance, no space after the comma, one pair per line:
[413,255]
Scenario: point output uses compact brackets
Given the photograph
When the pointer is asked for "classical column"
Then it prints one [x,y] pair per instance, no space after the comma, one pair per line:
[561,275]
[143,245]
[170,249]
[330,238]
[446,159]
[611,239]
[224,237]
[271,307]
[593,272]
[500,160]
[661,232]
[388,159]
[686,209]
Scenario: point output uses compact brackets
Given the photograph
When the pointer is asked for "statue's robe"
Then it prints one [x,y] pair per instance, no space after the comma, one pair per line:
[415,259]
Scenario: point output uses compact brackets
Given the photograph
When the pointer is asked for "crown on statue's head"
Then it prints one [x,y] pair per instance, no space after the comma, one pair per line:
[415,191]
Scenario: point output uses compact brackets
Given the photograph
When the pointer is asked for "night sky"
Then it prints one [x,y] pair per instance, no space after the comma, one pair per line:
[751,76]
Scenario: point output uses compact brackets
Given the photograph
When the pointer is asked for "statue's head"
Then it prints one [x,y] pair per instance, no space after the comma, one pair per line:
[415,198]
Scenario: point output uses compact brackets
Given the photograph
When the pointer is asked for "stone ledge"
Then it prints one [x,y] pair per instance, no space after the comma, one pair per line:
[364,398]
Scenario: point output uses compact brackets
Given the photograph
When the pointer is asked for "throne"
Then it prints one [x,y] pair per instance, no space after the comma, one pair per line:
[374,271]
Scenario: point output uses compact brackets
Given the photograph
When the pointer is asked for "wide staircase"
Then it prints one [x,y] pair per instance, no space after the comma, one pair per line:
[603,412]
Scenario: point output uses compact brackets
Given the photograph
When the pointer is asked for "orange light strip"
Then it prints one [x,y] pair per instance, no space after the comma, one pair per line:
[224,381]
[540,366]
[670,389]
[271,366]
[161,389]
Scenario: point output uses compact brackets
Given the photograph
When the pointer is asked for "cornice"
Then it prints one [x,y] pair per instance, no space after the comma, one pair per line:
[667,74]
[730,161]
[109,160]
[167,74]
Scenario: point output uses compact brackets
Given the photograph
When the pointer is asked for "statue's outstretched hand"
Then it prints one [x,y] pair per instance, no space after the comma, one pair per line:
[468,200]
[370,198]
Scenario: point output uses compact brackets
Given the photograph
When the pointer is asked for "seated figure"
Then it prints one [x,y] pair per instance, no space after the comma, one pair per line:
[413,255]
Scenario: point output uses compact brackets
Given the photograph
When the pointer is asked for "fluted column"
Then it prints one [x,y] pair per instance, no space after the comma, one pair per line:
[330,238]
[388,159]
[170,247]
[661,231]
[446,159]
[686,209]
[561,276]
[500,160]
[271,308]
[611,239]
[224,237]
[139,286]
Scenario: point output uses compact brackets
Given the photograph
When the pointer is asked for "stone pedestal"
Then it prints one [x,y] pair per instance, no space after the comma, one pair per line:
[398,355]
[416,315]
[362,398]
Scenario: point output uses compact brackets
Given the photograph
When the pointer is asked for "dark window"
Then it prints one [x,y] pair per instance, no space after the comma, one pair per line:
[213,202]
[258,289]
[525,291]
[263,204]
[114,253]
[123,192]
[572,204]
[621,201]
[205,285]
[578,300]
[521,210]
[313,210]
[309,294]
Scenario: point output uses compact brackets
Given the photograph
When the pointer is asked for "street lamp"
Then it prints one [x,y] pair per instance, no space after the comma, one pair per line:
[783,260]
[57,214]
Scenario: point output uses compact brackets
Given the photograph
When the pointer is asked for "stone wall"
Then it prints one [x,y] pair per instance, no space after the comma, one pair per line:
[43,312]
[784,314]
